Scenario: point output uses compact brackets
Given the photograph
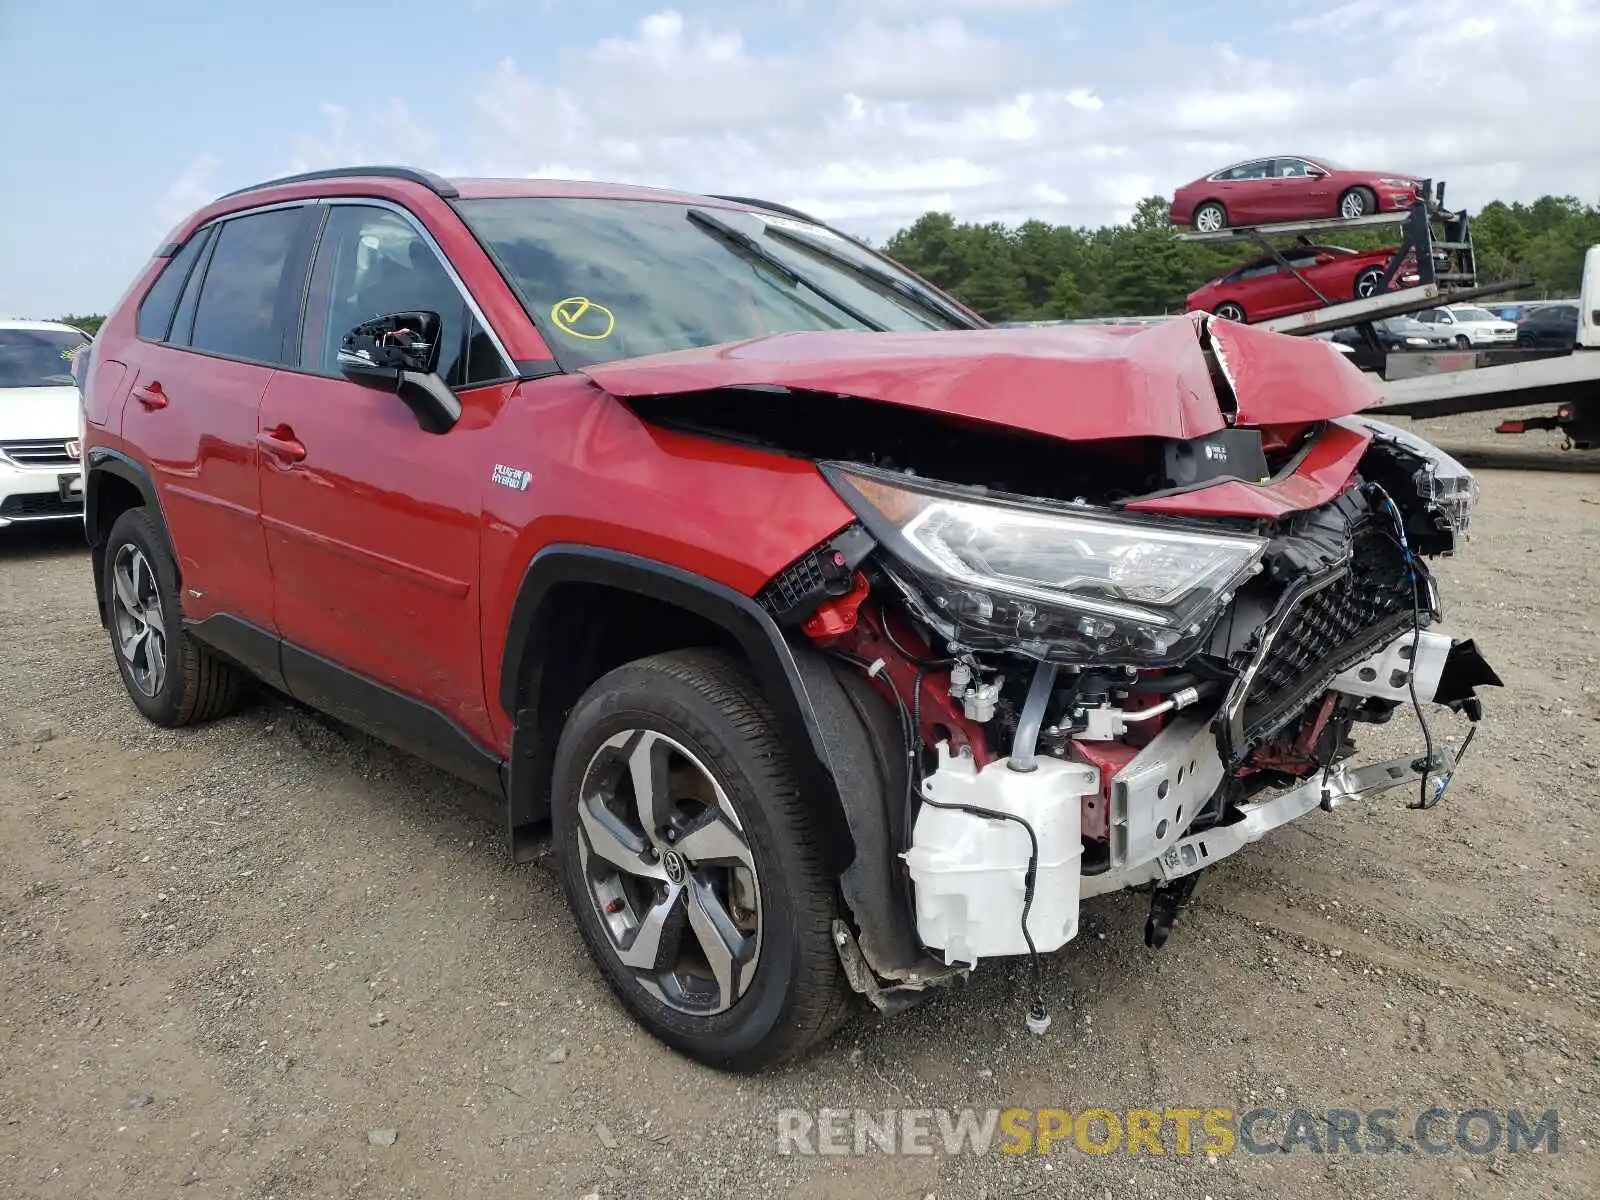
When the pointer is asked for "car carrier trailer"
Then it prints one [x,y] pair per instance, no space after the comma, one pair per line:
[1437,385]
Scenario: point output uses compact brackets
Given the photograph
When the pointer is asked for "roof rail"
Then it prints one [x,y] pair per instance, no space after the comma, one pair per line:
[770,207]
[436,184]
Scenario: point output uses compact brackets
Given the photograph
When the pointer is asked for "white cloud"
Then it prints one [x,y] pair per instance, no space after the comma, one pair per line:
[994,108]
[193,187]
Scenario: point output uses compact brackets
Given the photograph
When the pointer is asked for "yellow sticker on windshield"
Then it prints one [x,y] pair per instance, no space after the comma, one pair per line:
[581,317]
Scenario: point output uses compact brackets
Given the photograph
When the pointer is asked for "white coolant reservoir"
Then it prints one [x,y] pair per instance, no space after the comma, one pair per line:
[970,872]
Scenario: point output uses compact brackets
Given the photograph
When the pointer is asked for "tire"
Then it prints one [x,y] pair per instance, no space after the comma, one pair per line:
[1368,282]
[1229,310]
[1357,202]
[695,716]
[1211,217]
[1463,342]
[171,678]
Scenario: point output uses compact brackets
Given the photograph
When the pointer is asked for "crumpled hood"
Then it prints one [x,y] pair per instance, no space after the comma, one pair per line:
[1075,382]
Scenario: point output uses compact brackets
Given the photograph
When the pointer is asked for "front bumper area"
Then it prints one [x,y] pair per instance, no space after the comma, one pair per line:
[40,493]
[972,871]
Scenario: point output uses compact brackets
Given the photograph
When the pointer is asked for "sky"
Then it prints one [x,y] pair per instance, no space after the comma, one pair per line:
[120,118]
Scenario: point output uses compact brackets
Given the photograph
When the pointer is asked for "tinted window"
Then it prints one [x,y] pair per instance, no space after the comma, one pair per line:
[239,298]
[183,322]
[155,311]
[372,262]
[610,279]
[38,357]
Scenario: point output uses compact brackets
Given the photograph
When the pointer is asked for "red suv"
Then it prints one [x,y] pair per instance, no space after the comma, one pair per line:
[839,641]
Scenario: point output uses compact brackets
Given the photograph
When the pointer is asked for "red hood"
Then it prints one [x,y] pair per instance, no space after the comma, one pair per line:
[1075,382]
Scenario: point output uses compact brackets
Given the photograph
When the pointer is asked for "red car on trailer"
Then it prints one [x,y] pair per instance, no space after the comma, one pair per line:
[1276,287]
[1264,191]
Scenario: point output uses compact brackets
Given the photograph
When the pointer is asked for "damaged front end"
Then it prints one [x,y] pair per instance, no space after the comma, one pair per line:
[1093,696]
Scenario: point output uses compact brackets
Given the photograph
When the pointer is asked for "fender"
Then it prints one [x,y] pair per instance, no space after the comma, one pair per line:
[837,756]
[100,462]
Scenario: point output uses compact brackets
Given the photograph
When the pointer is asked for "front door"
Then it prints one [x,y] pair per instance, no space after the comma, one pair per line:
[371,522]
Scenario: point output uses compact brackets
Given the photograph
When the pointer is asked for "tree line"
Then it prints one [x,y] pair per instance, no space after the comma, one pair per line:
[1036,271]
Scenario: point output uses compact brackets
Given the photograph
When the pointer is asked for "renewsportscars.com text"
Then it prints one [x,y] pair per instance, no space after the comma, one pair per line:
[1213,1131]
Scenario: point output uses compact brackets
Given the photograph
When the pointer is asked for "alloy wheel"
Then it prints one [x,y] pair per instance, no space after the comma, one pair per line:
[1208,219]
[670,872]
[1353,205]
[1229,312]
[140,625]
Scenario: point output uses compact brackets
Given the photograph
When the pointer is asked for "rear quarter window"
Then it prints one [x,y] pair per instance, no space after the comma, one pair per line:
[237,310]
[155,310]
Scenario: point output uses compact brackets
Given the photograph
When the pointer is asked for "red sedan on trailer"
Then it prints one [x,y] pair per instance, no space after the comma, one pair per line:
[1266,288]
[1290,188]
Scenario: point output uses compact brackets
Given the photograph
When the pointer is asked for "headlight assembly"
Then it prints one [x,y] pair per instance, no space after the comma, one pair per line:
[1440,480]
[1069,586]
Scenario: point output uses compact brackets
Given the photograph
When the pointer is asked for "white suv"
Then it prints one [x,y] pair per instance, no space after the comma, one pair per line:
[41,472]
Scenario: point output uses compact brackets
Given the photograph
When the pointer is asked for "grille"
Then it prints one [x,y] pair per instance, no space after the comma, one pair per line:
[39,504]
[1329,630]
[42,452]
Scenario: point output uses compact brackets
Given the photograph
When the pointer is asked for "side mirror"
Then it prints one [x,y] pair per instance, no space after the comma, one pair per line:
[399,353]
[1323,260]
[1313,173]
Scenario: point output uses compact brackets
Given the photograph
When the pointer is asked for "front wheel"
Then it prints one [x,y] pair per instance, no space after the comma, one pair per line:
[1368,282]
[1357,202]
[1463,342]
[692,865]
[1229,311]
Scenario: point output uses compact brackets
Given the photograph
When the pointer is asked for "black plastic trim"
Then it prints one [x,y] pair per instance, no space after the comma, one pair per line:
[100,462]
[436,184]
[834,751]
[388,715]
[247,646]
[537,368]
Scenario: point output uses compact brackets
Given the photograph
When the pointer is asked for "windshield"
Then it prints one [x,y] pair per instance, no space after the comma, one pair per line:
[1473,314]
[38,357]
[612,279]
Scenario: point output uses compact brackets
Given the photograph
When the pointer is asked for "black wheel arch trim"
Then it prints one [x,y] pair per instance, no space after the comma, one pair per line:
[100,462]
[824,727]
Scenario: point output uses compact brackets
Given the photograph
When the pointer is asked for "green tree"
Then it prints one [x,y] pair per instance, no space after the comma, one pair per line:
[1039,271]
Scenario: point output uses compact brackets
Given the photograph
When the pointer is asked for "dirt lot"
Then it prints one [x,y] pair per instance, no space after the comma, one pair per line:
[228,955]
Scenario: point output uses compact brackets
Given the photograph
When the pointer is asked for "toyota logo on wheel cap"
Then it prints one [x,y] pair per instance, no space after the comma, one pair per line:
[677,870]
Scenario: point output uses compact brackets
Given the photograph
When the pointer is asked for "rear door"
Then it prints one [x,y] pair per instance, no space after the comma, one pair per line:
[191,414]
[1299,190]
[1246,191]
[372,524]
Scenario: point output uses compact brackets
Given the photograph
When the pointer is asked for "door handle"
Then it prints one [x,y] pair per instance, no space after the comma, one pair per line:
[281,443]
[151,396]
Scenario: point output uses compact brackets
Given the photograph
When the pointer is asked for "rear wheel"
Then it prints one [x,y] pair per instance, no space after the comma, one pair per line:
[1368,282]
[1211,217]
[1357,202]
[691,863]
[1229,311]
[171,678]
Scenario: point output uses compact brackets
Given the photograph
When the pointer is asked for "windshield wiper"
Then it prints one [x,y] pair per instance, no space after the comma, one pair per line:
[921,297]
[754,250]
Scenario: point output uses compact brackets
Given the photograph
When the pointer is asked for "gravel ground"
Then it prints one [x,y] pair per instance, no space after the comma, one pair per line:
[272,958]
